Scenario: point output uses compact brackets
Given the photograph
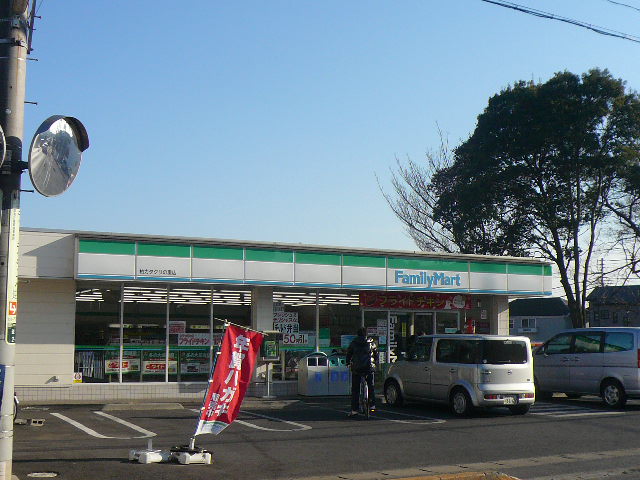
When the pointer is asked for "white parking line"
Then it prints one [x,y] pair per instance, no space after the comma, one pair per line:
[560,411]
[258,427]
[146,433]
[432,420]
[93,433]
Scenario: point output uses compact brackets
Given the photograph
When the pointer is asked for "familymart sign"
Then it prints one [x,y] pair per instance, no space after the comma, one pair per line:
[429,279]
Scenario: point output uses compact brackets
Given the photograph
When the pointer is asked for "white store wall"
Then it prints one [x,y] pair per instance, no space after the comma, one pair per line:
[45,329]
[45,332]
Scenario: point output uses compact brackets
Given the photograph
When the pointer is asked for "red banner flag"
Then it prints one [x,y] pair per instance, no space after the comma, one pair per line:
[230,379]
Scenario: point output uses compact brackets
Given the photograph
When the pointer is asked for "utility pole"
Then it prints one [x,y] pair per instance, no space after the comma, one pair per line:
[13,58]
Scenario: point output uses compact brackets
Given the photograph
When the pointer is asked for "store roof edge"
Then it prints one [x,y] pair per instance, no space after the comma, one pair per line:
[294,246]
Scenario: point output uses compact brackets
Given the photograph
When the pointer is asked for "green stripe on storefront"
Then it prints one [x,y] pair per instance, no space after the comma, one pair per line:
[482,267]
[364,261]
[220,253]
[164,250]
[318,258]
[269,256]
[419,264]
[113,248]
[525,269]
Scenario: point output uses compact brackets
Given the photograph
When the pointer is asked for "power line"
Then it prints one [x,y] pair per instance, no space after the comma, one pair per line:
[551,16]
[624,5]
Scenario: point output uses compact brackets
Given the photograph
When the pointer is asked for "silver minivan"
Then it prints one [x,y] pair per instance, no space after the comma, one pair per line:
[465,371]
[601,361]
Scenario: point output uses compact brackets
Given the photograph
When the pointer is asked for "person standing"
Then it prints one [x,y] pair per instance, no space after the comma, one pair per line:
[362,357]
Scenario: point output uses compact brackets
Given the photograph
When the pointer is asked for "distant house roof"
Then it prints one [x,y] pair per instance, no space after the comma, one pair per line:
[627,295]
[539,307]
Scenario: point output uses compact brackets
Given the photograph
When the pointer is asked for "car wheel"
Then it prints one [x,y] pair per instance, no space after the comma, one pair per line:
[520,409]
[613,394]
[392,394]
[541,394]
[461,403]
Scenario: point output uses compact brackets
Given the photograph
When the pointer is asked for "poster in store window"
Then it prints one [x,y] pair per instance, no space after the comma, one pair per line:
[194,339]
[153,363]
[177,326]
[130,363]
[194,362]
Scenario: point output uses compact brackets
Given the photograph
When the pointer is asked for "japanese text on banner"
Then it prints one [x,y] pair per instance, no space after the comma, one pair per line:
[230,379]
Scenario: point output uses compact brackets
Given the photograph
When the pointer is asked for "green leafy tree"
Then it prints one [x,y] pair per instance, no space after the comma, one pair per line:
[535,176]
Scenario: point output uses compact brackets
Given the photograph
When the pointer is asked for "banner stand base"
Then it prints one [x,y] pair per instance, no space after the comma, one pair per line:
[190,455]
[184,454]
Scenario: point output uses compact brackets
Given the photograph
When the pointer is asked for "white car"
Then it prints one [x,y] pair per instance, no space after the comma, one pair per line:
[465,371]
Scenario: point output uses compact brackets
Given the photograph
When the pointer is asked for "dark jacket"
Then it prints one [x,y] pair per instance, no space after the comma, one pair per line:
[362,354]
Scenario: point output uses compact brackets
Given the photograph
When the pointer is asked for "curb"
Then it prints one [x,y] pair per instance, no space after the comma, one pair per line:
[465,476]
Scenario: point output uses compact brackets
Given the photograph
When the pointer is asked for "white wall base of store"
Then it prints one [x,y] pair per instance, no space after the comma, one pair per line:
[137,392]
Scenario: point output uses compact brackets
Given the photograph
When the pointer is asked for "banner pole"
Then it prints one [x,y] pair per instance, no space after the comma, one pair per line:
[226,323]
[206,392]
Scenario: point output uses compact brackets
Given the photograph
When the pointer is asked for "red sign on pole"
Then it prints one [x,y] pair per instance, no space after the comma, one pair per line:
[230,379]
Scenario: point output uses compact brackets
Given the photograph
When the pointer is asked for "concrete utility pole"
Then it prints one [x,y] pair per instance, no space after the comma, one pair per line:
[13,57]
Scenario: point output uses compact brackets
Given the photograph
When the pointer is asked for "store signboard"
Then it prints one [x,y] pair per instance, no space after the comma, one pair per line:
[161,267]
[237,264]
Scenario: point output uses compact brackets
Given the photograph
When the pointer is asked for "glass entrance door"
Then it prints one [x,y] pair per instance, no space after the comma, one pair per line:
[447,322]
[423,323]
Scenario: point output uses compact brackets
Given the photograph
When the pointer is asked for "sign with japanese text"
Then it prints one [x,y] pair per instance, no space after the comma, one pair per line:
[194,362]
[154,363]
[286,322]
[177,326]
[129,364]
[302,340]
[287,327]
[194,339]
[230,379]
[414,301]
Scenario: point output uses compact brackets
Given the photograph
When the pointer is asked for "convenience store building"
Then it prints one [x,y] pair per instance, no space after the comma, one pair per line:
[108,317]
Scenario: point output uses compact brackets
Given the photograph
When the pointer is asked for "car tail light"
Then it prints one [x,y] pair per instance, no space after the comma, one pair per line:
[639,358]
[527,395]
[491,397]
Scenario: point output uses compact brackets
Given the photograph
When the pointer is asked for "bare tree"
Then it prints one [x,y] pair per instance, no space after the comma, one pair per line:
[413,199]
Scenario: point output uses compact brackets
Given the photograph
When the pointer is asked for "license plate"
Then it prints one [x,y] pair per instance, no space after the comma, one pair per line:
[509,400]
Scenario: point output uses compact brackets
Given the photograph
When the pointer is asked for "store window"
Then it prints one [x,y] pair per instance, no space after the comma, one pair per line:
[160,334]
[528,323]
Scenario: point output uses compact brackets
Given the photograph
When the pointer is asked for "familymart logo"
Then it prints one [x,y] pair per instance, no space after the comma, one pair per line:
[435,279]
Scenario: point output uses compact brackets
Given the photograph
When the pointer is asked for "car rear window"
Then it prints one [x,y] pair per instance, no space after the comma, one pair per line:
[501,352]
[618,342]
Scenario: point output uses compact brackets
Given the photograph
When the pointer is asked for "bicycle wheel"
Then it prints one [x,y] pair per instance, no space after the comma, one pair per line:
[364,397]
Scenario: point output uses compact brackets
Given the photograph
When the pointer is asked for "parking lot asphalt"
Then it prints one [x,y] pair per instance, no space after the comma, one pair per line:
[311,439]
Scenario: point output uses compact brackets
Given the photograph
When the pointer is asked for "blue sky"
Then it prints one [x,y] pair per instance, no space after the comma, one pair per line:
[268,120]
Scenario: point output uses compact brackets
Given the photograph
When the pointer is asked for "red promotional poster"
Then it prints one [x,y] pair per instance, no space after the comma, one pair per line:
[230,379]
[415,301]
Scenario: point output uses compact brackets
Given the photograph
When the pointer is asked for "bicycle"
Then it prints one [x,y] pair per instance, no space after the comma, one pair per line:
[364,403]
